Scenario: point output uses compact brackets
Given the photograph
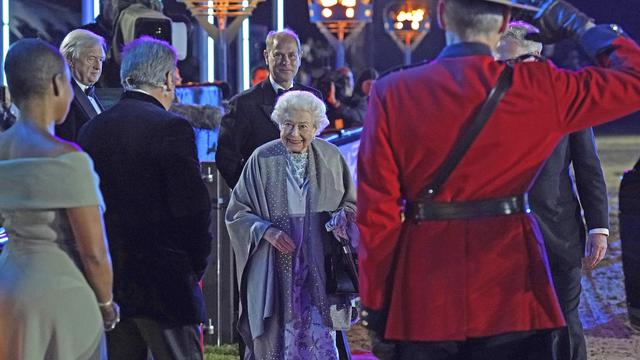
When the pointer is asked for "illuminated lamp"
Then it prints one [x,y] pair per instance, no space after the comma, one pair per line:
[340,21]
[407,22]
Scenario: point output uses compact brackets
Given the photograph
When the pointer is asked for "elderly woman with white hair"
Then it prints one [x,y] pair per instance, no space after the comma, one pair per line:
[276,221]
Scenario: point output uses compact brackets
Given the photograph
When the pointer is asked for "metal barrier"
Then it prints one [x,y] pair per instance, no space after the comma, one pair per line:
[219,284]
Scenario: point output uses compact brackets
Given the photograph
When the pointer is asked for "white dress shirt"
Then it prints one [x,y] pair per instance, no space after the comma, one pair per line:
[84,87]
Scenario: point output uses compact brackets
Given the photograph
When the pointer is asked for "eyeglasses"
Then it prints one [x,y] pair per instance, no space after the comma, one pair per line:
[303,128]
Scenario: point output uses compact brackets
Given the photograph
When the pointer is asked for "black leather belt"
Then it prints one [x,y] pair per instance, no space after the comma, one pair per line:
[431,210]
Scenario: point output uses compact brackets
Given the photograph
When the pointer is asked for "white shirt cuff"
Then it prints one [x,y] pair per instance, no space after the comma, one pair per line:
[603,231]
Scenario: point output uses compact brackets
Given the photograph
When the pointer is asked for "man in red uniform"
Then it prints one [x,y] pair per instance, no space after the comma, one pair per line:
[475,286]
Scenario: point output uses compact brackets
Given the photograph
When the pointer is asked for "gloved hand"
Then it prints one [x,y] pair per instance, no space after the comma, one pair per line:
[558,20]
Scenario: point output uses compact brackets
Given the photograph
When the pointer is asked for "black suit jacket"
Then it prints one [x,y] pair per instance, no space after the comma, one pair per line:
[246,126]
[80,111]
[555,204]
[157,215]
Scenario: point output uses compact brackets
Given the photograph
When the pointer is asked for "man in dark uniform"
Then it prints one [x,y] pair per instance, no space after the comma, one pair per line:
[465,275]
[248,123]
[558,211]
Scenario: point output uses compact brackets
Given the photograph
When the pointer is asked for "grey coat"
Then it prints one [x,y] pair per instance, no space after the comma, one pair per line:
[259,201]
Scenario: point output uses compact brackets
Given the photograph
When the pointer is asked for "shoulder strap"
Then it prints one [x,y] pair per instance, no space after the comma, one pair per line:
[465,141]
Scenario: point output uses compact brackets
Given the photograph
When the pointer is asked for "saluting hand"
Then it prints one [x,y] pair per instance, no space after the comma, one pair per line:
[595,250]
[280,240]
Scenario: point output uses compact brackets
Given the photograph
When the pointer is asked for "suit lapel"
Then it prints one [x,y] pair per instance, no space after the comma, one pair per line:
[267,110]
[83,101]
[99,103]
[268,99]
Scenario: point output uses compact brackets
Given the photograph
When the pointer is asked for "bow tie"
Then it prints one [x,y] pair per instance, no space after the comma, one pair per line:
[90,91]
[281,92]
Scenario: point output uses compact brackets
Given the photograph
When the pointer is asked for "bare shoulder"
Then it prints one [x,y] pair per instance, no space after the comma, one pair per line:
[23,142]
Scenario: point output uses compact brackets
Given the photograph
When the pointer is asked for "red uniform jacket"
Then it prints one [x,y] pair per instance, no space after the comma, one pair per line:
[482,277]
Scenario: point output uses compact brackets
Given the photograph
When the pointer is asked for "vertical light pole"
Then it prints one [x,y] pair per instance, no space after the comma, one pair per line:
[211,58]
[340,21]
[278,14]
[244,78]
[88,10]
[223,11]
[5,36]
[229,15]
[407,22]
[243,55]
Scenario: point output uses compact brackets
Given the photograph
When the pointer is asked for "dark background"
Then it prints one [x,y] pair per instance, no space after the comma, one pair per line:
[52,20]
[374,47]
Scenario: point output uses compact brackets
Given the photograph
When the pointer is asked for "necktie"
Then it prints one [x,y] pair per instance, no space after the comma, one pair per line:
[90,91]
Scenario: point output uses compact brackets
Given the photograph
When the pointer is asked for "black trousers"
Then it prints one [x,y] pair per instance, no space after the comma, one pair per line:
[630,237]
[510,346]
[135,338]
[569,342]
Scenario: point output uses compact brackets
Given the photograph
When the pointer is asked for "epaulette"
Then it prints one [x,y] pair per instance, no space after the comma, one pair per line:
[402,68]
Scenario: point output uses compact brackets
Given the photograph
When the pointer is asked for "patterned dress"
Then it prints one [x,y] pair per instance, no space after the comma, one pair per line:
[306,336]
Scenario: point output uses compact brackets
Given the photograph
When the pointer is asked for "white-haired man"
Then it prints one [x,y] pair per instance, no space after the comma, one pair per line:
[558,211]
[85,53]
[465,275]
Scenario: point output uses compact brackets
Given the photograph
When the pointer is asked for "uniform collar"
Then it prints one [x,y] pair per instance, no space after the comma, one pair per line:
[465,49]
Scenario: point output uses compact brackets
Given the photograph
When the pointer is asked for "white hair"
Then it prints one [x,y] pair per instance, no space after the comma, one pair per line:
[301,101]
[79,40]
[146,62]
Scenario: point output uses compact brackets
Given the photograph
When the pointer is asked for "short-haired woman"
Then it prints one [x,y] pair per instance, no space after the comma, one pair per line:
[55,271]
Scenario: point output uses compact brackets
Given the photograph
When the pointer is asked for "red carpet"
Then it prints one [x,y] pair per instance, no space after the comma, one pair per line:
[362,355]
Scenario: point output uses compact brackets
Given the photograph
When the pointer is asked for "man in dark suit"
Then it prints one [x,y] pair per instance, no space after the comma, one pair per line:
[248,123]
[559,212]
[85,53]
[157,214]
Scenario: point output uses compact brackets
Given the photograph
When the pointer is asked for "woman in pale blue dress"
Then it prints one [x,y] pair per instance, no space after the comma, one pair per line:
[276,221]
[55,271]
